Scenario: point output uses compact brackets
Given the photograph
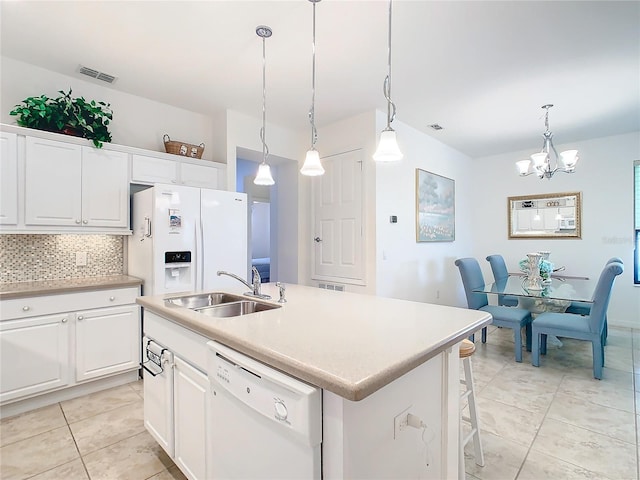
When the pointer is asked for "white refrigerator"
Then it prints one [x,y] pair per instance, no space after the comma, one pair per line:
[183,235]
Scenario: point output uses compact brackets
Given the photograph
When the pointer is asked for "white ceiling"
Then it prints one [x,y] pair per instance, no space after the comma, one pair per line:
[480,69]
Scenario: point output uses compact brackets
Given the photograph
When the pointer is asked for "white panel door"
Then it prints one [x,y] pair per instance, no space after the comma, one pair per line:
[225,219]
[191,388]
[337,210]
[53,183]
[203,176]
[105,188]
[8,178]
[34,354]
[107,341]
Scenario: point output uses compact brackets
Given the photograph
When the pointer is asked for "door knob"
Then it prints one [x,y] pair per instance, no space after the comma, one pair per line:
[317,239]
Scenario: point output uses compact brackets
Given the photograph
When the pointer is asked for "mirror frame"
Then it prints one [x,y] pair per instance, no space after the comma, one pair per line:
[543,197]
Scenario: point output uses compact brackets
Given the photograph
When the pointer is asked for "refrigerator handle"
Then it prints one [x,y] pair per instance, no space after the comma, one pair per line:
[199,263]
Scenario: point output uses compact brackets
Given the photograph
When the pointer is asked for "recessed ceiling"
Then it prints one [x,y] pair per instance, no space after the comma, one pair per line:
[482,69]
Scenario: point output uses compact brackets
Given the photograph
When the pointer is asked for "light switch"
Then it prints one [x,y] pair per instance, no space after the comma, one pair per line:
[81,259]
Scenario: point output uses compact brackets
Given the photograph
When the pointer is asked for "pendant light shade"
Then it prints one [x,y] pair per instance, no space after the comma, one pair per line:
[264,171]
[388,150]
[264,175]
[312,166]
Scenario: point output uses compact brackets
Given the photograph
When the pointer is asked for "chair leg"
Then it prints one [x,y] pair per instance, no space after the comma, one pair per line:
[484,335]
[605,332]
[597,349]
[543,343]
[527,331]
[472,337]
[518,342]
[473,412]
[535,350]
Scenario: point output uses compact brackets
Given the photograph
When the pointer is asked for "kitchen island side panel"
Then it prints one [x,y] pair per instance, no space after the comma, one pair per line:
[362,440]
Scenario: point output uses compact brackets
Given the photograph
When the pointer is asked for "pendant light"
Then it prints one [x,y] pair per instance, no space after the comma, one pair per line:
[264,171]
[312,166]
[388,150]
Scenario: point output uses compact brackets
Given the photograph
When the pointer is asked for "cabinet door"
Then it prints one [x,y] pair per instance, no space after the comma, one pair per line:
[190,400]
[203,176]
[107,341]
[53,183]
[105,188]
[8,178]
[34,354]
[152,170]
[158,402]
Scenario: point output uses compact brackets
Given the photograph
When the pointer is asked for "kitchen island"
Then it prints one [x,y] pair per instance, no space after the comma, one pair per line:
[376,360]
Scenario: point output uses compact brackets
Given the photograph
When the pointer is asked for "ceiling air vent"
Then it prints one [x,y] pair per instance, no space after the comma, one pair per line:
[90,72]
[435,126]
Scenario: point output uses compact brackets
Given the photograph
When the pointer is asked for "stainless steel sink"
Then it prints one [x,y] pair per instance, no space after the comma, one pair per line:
[203,300]
[235,309]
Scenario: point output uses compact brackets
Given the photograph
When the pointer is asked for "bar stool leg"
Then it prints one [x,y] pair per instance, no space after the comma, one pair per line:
[466,350]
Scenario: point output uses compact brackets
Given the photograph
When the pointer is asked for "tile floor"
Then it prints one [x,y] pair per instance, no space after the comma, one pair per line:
[551,422]
[557,421]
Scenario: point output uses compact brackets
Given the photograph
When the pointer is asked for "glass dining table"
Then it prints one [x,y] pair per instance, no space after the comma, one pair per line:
[555,296]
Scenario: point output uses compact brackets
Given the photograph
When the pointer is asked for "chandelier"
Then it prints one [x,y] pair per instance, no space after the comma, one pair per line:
[264,171]
[541,163]
[388,150]
[312,166]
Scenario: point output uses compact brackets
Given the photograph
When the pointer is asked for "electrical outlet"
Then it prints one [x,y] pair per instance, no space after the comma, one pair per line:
[81,259]
[400,422]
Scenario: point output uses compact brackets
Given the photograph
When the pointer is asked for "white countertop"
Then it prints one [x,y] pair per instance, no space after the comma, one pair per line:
[68,285]
[349,344]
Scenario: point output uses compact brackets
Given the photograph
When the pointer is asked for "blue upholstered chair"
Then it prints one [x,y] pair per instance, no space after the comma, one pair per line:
[582,308]
[570,325]
[509,317]
[499,269]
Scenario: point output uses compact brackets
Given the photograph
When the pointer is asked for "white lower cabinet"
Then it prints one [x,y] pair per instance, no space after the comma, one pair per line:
[56,341]
[107,341]
[176,393]
[190,405]
[34,354]
[175,406]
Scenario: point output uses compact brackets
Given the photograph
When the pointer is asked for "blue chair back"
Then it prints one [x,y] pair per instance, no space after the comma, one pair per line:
[472,278]
[602,295]
[498,267]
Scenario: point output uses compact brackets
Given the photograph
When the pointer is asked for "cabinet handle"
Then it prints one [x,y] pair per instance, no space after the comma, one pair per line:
[64,320]
[85,221]
[26,308]
[78,222]
[80,318]
[112,298]
[173,181]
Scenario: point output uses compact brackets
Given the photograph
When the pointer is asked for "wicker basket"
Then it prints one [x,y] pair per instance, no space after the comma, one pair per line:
[181,148]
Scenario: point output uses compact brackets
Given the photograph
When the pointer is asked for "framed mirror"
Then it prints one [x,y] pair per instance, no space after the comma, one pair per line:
[549,215]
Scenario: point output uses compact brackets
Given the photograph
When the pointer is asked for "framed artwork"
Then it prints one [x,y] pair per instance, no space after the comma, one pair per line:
[435,208]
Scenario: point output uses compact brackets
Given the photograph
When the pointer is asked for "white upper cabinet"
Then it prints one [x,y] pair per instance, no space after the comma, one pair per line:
[53,183]
[69,185]
[8,178]
[149,170]
[105,188]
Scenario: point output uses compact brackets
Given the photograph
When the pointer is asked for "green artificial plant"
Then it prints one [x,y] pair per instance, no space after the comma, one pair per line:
[72,116]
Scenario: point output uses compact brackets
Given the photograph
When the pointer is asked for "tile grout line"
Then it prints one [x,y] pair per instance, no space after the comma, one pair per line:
[74,442]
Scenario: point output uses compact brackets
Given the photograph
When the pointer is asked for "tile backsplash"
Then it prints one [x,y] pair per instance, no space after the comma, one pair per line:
[25,258]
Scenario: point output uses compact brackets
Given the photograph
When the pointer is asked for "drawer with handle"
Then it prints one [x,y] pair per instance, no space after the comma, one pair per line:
[48,304]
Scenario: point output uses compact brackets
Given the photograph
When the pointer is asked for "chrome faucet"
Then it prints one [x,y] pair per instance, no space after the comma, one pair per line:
[255,287]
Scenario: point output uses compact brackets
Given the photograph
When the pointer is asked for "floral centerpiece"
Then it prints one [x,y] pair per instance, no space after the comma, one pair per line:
[545,267]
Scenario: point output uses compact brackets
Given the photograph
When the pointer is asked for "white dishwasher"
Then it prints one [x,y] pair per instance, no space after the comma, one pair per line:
[262,424]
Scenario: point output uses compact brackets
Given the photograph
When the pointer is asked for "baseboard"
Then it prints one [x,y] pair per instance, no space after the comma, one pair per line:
[50,398]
